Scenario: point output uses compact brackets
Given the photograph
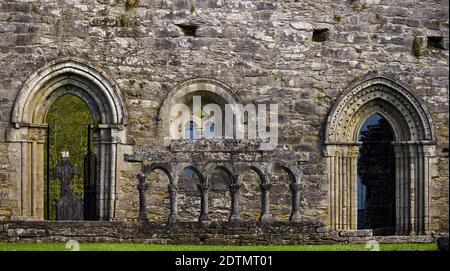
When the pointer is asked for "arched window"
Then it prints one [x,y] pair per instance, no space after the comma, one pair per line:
[205,101]
[209,130]
[376,176]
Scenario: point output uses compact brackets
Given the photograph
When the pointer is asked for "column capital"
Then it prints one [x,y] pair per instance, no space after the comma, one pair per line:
[30,133]
[234,187]
[295,187]
[203,187]
[172,188]
[142,185]
[265,187]
[341,149]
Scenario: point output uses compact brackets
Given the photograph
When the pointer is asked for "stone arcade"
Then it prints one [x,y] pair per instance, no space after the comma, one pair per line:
[329,65]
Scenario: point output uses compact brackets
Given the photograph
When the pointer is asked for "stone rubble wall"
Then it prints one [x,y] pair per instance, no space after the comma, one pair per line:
[191,233]
[263,50]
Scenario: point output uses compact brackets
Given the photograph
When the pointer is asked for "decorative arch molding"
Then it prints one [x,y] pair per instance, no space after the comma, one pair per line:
[175,96]
[68,71]
[27,137]
[378,91]
[414,150]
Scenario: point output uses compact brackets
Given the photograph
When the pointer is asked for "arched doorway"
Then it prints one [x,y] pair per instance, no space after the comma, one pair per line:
[414,152]
[28,135]
[376,176]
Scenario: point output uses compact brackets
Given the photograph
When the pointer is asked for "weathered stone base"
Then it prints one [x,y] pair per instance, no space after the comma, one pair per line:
[245,233]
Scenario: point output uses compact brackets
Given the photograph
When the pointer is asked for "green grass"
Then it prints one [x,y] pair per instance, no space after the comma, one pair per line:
[4,246]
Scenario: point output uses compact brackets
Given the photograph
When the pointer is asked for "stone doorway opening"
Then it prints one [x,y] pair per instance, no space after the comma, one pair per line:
[376,176]
[27,135]
[70,130]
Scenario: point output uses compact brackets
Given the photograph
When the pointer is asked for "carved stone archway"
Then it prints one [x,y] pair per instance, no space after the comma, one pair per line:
[27,137]
[414,153]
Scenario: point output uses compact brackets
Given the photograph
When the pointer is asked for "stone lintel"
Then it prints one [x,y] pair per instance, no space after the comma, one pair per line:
[201,157]
[214,145]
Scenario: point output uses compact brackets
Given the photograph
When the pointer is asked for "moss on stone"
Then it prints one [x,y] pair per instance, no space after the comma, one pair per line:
[130,4]
[417,47]
[125,20]
[193,7]
[34,8]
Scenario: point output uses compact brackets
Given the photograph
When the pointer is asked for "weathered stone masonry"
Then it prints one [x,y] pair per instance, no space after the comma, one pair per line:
[327,64]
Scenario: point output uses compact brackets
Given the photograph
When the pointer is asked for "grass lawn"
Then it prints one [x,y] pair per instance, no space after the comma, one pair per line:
[150,247]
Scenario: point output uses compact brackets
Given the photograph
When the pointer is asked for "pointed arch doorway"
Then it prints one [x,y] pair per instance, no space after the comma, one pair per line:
[70,129]
[28,135]
[413,150]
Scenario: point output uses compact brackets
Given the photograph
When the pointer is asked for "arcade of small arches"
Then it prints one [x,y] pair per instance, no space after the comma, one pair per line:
[264,170]
[412,130]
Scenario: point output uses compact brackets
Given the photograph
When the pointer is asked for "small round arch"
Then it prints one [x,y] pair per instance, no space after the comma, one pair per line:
[292,172]
[164,168]
[197,172]
[176,95]
[255,169]
[226,168]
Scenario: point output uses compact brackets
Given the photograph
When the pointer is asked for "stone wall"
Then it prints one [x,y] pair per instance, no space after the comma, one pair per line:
[249,233]
[265,51]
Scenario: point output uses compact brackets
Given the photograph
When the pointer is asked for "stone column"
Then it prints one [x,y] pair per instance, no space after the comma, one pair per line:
[414,162]
[429,171]
[107,140]
[173,189]
[342,175]
[204,189]
[234,191]
[28,144]
[142,187]
[295,214]
[265,202]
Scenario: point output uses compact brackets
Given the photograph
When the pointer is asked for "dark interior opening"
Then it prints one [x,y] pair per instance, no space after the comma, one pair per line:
[376,177]
[320,35]
[188,29]
[435,42]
